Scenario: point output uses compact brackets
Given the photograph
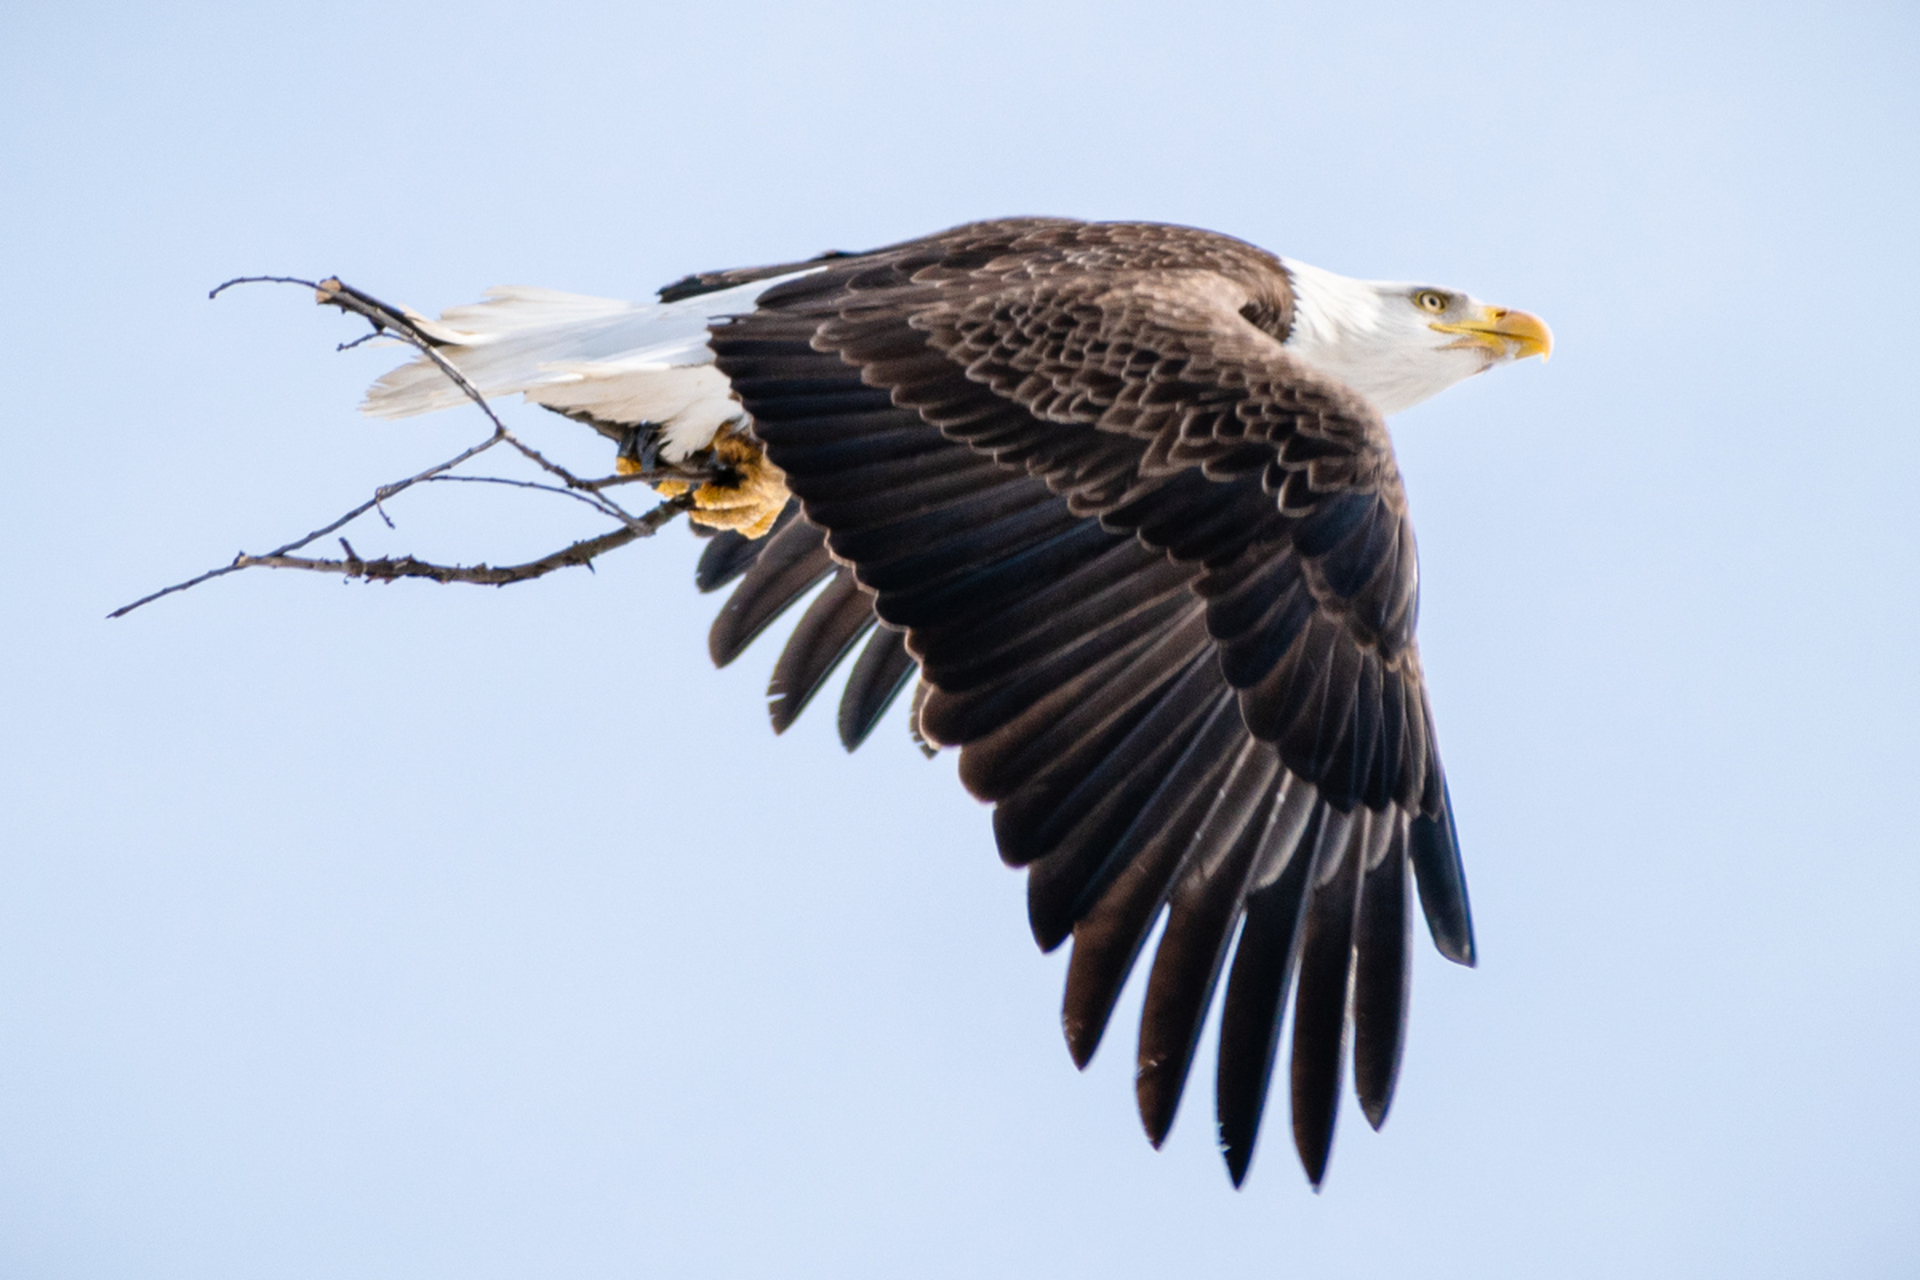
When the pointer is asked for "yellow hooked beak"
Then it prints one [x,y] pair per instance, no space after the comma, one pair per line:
[1504,334]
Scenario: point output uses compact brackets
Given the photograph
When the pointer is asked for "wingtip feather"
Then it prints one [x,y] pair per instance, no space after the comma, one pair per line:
[1434,849]
[1082,1041]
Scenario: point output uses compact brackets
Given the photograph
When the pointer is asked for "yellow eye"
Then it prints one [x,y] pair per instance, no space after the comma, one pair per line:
[1430,300]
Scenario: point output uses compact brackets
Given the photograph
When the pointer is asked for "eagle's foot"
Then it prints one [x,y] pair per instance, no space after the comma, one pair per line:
[748,500]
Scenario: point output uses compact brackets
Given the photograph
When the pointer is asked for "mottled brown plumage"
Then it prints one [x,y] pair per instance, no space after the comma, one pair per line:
[1158,577]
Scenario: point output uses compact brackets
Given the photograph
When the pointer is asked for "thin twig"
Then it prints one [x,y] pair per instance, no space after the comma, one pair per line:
[379,495]
[208,576]
[653,475]
[390,568]
[576,495]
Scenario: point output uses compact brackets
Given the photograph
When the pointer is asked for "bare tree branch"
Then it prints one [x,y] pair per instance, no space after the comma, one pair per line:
[391,568]
[393,321]
[653,475]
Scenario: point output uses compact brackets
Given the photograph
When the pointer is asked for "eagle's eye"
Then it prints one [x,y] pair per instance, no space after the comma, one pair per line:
[1431,300]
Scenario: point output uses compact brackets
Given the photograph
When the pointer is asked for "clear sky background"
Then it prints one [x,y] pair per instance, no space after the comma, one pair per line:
[420,931]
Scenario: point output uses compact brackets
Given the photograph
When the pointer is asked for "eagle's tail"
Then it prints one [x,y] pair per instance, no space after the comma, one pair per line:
[612,362]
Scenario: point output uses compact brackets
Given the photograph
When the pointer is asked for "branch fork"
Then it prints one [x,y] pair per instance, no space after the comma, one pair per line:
[396,322]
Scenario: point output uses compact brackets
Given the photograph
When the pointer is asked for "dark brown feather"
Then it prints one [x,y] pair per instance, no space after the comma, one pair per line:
[1320,1007]
[792,563]
[728,554]
[1434,851]
[1200,920]
[1382,957]
[1263,962]
[1140,871]
[836,619]
[879,674]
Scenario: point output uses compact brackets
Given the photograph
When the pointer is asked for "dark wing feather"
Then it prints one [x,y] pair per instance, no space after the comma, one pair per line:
[1178,821]
[1160,582]
[1200,918]
[830,627]
[1256,993]
[728,554]
[1320,1007]
[877,678]
[1067,825]
[1434,850]
[792,563]
[1382,957]
[828,630]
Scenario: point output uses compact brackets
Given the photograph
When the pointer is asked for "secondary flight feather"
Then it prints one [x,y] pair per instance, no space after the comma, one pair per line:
[1118,502]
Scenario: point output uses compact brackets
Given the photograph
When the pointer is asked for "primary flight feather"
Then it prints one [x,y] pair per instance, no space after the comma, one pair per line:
[1122,496]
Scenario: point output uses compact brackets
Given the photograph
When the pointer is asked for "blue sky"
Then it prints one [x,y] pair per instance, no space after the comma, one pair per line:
[417,931]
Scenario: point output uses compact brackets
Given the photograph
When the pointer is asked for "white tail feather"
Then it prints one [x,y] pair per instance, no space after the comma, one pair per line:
[621,362]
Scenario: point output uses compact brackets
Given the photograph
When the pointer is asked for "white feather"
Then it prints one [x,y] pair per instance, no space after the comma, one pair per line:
[1368,334]
[621,362]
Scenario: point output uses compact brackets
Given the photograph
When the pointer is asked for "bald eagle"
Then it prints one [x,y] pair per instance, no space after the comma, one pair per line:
[1118,501]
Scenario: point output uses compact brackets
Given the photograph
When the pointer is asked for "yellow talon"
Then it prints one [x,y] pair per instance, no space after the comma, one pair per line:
[751,504]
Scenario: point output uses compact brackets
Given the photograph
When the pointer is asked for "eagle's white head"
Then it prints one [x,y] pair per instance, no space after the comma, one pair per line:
[1397,343]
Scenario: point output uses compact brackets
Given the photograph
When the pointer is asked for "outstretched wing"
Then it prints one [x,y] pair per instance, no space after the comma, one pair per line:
[1161,587]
